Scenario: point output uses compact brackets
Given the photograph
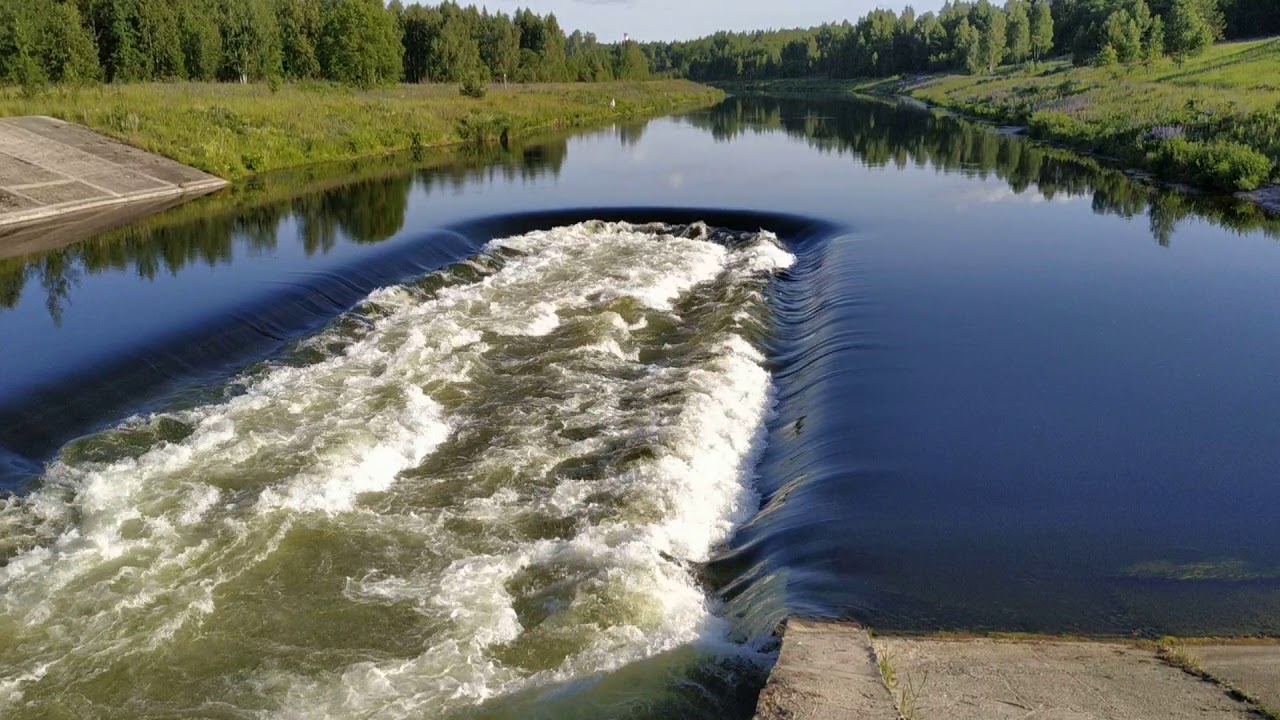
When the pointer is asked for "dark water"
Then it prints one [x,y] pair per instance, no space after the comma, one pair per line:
[1011,390]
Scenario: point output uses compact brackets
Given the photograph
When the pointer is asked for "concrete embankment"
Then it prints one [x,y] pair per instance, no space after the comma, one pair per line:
[50,169]
[830,671]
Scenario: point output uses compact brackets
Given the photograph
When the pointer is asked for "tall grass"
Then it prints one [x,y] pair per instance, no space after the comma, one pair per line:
[1213,121]
[238,130]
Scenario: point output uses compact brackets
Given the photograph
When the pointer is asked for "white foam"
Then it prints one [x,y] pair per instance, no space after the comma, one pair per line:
[127,555]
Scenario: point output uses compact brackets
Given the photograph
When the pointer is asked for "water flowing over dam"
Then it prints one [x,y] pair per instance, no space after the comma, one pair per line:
[565,430]
[523,453]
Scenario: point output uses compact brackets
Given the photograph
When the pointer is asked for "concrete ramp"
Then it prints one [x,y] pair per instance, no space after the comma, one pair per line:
[50,168]
[836,671]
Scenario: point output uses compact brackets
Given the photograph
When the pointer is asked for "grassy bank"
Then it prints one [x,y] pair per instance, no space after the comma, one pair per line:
[238,130]
[1213,122]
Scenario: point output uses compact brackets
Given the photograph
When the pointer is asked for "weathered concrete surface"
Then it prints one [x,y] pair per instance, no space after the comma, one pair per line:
[829,670]
[826,671]
[1253,668]
[1008,680]
[49,168]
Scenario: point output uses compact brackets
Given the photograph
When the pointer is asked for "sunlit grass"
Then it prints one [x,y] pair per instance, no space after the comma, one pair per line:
[238,130]
[1214,120]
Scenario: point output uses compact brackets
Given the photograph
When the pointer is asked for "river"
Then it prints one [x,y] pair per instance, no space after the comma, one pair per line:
[565,429]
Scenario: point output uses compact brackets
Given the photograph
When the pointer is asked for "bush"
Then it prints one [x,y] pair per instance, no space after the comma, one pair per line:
[1220,164]
[474,86]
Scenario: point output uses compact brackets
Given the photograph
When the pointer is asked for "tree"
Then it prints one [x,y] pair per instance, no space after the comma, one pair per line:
[201,40]
[63,47]
[991,24]
[419,26]
[968,42]
[18,57]
[1122,34]
[1187,33]
[1041,29]
[360,43]
[1018,31]
[500,45]
[250,41]
[631,64]
[300,23]
[1153,43]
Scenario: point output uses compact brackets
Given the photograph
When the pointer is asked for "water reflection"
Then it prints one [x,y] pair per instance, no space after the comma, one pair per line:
[362,202]
[902,134]
[366,201]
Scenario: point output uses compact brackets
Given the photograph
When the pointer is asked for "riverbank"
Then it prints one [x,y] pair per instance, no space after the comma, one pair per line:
[1212,122]
[234,131]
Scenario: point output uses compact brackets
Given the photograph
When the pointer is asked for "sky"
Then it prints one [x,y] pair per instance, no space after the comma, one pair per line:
[685,19]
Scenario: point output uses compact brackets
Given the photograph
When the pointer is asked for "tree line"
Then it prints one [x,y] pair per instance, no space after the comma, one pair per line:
[358,42]
[970,36]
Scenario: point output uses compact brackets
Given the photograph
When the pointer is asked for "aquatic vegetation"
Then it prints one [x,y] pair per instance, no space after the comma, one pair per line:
[1222,570]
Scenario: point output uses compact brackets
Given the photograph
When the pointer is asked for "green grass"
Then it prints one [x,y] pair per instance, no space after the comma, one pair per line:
[1213,122]
[239,130]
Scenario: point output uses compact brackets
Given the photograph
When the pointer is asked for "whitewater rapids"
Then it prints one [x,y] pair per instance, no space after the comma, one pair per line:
[480,493]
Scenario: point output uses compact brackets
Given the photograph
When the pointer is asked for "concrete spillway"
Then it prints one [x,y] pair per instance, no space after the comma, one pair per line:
[50,168]
[836,671]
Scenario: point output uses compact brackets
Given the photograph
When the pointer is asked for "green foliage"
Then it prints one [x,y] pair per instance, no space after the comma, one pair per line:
[360,43]
[1188,33]
[235,130]
[45,41]
[201,41]
[474,86]
[1215,122]
[1041,29]
[301,23]
[1219,164]
[1018,43]
[250,40]
[631,64]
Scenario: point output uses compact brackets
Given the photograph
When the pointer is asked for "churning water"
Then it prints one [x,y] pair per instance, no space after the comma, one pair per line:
[495,481]
[381,465]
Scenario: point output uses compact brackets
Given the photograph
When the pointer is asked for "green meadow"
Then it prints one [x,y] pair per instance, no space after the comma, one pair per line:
[234,130]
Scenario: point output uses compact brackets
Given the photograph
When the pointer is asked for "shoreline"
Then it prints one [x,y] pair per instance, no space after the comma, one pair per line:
[238,132]
[1199,129]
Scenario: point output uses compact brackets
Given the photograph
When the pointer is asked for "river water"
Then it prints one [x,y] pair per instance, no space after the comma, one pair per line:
[565,429]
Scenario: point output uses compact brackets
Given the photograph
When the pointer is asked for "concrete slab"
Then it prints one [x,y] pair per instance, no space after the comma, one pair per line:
[826,671]
[1008,680]
[1252,668]
[49,168]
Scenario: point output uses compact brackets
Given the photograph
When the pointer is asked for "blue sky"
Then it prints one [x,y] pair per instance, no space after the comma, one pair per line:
[683,19]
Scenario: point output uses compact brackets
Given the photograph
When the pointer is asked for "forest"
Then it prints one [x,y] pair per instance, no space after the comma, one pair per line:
[363,43]
[971,37]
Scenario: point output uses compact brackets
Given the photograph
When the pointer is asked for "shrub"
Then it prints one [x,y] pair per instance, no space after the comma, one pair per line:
[474,86]
[1220,164]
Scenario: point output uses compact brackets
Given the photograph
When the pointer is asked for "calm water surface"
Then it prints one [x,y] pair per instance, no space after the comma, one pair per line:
[564,430]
